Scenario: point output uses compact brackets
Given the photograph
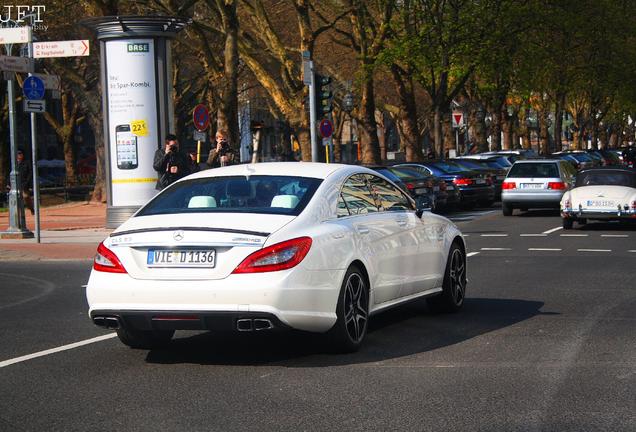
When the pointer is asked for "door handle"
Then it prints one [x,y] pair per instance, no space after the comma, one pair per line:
[363,230]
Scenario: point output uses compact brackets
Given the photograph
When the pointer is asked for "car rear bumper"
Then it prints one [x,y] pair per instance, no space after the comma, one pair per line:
[629,214]
[477,193]
[301,300]
[538,199]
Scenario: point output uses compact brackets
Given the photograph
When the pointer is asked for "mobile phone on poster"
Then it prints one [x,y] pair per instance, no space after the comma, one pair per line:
[126,148]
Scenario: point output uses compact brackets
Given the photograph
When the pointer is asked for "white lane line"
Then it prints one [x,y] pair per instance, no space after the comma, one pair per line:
[494,235]
[550,231]
[615,235]
[632,250]
[56,350]
[533,235]
[594,250]
[573,235]
[545,249]
[496,249]
[469,254]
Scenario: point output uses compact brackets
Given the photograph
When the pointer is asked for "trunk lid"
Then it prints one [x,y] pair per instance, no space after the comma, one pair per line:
[601,197]
[191,246]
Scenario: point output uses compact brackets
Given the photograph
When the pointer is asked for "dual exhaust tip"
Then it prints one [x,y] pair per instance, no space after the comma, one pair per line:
[256,324]
[106,322]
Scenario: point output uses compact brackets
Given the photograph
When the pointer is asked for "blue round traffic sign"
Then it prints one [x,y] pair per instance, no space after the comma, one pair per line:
[33,88]
[326,128]
[201,117]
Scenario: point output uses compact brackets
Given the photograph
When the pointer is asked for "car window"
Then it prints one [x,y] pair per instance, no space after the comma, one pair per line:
[287,195]
[537,170]
[390,197]
[568,168]
[420,169]
[606,178]
[450,167]
[356,197]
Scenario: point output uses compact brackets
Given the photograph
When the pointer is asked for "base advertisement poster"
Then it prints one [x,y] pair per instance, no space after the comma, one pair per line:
[132,119]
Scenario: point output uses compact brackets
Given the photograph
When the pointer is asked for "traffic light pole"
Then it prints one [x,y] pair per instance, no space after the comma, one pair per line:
[312,115]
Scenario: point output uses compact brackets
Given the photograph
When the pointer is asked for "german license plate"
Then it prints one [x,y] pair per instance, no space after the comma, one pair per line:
[181,258]
[531,185]
[420,191]
[600,203]
[480,181]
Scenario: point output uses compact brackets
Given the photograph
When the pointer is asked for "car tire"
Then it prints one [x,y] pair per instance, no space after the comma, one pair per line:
[352,310]
[506,209]
[568,223]
[144,339]
[454,286]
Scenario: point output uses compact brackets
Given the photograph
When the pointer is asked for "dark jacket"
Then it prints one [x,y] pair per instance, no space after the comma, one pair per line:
[162,163]
[25,175]
[214,157]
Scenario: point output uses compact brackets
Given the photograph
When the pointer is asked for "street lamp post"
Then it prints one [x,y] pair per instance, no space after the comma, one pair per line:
[17,223]
[347,106]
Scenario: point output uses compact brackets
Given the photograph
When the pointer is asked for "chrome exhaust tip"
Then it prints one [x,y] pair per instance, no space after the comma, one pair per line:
[106,322]
[263,324]
[244,325]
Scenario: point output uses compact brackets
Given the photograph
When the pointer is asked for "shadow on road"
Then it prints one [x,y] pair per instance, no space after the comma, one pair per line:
[400,332]
[538,213]
[607,226]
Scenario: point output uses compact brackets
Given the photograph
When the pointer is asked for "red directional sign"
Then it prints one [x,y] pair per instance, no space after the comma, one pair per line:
[201,117]
[326,128]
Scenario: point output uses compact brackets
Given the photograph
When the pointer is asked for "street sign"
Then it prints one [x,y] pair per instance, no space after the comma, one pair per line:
[458,119]
[201,117]
[16,64]
[74,48]
[199,136]
[51,82]
[326,128]
[15,35]
[34,106]
[33,88]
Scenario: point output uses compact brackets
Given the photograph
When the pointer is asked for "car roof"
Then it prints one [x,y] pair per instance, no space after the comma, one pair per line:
[300,169]
[532,161]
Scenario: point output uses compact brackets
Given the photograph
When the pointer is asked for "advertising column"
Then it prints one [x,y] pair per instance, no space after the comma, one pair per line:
[132,120]
[137,104]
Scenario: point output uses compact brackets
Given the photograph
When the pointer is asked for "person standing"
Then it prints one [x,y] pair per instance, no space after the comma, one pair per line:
[222,154]
[170,163]
[23,168]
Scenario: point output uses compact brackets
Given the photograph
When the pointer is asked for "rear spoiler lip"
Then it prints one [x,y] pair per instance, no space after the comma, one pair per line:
[190,228]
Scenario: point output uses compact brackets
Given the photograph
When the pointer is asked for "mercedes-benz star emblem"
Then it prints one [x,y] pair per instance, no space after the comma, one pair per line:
[177,235]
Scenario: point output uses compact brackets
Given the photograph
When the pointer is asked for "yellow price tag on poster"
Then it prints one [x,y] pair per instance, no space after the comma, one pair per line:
[139,127]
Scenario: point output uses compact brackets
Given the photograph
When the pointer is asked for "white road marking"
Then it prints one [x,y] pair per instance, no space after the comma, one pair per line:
[496,249]
[632,250]
[594,250]
[544,249]
[615,235]
[56,350]
[550,231]
[494,235]
[533,235]
[469,254]
[573,235]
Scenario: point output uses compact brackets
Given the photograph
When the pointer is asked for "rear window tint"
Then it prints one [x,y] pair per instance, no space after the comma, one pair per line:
[536,170]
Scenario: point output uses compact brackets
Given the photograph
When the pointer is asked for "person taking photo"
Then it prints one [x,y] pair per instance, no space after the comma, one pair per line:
[170,163]
[222,154]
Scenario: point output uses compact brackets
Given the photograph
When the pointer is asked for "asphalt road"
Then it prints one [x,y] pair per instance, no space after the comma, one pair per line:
[546,342]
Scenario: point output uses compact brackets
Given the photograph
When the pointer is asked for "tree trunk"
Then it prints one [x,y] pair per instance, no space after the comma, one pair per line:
[407,117]
[449,135]
[477,129]
[228,107]
[507,126]
[577,139]
[438,139]
[495,137]
[368,129]
[558,122]
[544,136]
[613,139]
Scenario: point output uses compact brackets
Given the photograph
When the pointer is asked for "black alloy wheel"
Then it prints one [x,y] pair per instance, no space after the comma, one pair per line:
[352,311]
[454,287]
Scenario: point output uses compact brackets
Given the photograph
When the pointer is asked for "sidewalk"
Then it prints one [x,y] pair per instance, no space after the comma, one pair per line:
[69,231]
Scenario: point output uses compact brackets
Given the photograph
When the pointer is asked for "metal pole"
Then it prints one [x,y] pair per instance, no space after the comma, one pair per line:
[312,115]
[34,164]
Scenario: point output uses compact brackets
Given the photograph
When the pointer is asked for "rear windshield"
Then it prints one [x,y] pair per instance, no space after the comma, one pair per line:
[469,163]
[285,195]
[581,157]
[405,173]
[450,167]
[606,178]
[536,170]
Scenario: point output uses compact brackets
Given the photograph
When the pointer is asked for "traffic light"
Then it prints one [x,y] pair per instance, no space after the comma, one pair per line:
[324,96]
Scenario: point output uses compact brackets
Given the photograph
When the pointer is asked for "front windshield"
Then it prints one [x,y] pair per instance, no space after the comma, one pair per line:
[606,178]
[285,195]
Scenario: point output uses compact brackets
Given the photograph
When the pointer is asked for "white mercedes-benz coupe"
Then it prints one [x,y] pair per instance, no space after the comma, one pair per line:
[248,248]
[607,193]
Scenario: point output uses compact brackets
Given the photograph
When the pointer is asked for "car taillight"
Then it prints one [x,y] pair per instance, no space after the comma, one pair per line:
[508,185]
[633,205]
[281,256]
[106,261]
[556,185]
[463,181]
[410,186]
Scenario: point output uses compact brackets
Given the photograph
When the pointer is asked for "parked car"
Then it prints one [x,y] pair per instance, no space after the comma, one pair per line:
[611,158]
[447,188]
[538,183]
[307,246]
[495,174]
[601,194]
[474,187]
[579,159]
[418,186]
